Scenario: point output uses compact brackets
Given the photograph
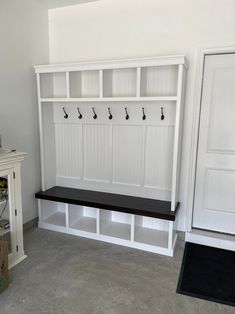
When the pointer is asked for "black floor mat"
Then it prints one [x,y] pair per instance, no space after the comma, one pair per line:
[208,273]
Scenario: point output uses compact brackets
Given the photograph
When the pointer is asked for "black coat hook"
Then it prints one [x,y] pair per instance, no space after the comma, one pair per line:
[65,114]
[79,114]
[95,115]
[144,115]
[110,114]
[162,114]
[127,115]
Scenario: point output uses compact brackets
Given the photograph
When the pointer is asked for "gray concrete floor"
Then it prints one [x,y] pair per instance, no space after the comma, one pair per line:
[64,274]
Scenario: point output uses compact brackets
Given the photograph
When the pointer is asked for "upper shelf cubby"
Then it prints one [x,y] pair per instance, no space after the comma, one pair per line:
[120,82]
[84,84]
[53,85]
[146,79]
[158,81]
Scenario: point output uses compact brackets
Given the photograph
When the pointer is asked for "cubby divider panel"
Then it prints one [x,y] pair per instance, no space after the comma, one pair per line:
[115,224]
[82,218]
[151,231]
[53,213]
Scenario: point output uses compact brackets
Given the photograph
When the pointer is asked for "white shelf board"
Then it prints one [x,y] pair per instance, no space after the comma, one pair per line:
[57,219]
[151,236]
[85,224]
[115,229]
[108,99]
[3,232]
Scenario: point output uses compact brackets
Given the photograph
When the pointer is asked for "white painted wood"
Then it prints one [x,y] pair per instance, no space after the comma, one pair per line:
[100,83]
[83,218]
[120,82]
[127,154]
[153,237]
[195,126]
[113,64]
[159,157]
[53,85]
[41,133]
[68,150]
[67,85]
[138,82]
[97,152]
[49,147]
[109,239]
[208,238]
[159,81]
[75,84]
[215,176]
[178,137]
[10,168]
[132,157]
[110,99]
[57,219]
[84,84]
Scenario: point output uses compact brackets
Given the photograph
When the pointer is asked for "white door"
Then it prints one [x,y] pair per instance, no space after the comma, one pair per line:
[214,203]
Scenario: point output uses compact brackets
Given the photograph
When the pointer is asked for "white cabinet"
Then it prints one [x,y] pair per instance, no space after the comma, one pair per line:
[11,205]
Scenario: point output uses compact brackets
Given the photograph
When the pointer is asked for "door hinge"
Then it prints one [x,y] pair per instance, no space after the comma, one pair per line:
[15,212]
[17,248]
[14,175]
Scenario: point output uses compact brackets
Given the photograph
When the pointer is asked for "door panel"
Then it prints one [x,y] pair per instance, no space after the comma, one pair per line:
[214,204]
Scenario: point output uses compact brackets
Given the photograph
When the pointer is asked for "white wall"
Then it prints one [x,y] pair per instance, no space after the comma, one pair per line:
[127,28]
[24,42]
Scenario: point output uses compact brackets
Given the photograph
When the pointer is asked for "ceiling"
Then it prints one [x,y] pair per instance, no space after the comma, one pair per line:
[52,4]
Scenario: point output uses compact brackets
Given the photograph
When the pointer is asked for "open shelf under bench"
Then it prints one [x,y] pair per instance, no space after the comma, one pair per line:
[136,222]
[116,202]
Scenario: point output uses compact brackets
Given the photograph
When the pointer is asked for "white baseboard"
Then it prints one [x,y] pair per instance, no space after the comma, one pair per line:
[213,239]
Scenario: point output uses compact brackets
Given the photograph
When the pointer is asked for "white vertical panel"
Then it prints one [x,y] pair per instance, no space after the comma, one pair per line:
[127,154]
[97,152]
[68,150]
[159,156]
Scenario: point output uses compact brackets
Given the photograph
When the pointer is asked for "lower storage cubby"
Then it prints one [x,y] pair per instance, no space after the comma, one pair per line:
[151,231]
[53,213]
[115,224]
[83,218]
[139,232]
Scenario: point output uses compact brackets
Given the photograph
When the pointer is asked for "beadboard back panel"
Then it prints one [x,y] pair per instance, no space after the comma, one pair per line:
[114,155]
[97,151]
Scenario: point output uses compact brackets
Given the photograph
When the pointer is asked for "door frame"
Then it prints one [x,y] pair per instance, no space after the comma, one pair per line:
[202,53]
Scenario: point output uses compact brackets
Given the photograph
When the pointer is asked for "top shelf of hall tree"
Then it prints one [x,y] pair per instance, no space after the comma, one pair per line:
[152,79]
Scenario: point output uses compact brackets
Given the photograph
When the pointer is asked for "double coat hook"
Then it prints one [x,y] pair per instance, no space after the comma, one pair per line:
[79,114]
[110,114]
[127,115]
[144,115]
[65,114]
[162,114]
[95,115]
